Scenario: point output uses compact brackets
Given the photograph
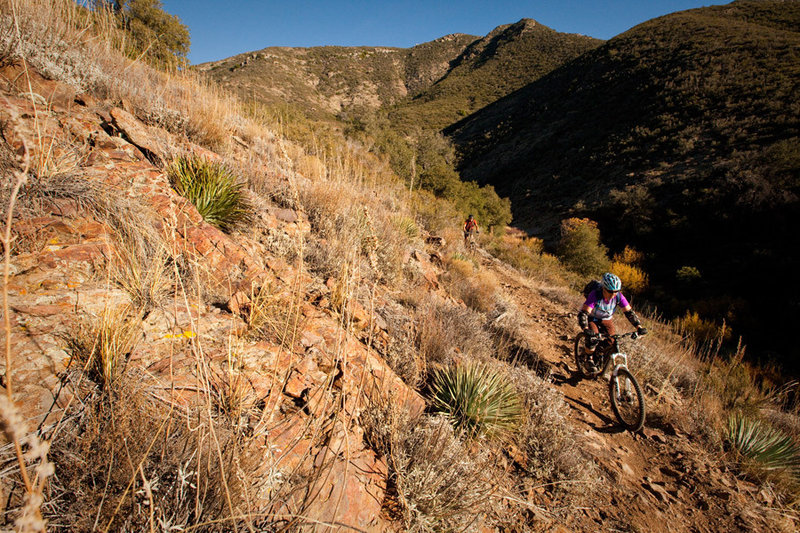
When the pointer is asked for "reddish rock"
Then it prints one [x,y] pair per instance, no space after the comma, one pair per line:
[139,134]
[427,269]
[286,215]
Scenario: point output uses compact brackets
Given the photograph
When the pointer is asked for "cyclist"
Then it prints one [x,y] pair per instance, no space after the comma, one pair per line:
[470,228]
[597,312]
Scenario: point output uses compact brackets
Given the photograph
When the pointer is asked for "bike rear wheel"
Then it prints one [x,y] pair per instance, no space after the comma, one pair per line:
[581,361]
[627,399]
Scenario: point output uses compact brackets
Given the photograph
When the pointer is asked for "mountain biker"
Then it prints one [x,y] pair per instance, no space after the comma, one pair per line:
[470,228]
[597,312]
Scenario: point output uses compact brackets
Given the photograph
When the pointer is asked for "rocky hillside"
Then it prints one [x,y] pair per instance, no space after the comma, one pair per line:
[210,328]
[430,85]
[285,378]
[508,58]
[681,137]
[322,81]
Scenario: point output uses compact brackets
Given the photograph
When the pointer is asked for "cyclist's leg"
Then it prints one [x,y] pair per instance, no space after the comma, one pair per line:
[607,328]
[591,343]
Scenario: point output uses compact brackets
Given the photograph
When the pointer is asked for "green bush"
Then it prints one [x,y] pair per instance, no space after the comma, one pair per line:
[476,399]
[580,248]
[213,189]
[159,36]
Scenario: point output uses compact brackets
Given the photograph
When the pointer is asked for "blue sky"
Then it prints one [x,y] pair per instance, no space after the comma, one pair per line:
[220,29]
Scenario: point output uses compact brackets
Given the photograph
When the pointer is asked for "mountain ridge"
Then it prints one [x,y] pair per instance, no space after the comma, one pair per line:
[393,78]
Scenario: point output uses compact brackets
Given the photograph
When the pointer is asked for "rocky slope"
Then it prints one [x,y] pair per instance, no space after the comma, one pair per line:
[300,399]
[322,81]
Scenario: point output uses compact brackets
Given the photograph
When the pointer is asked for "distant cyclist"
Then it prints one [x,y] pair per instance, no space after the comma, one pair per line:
[470,229]
[598,311]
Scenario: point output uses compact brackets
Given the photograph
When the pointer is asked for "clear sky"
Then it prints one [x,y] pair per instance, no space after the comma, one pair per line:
[223,28]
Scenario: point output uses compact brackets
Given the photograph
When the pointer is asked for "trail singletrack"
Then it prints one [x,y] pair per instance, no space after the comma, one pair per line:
[656,479]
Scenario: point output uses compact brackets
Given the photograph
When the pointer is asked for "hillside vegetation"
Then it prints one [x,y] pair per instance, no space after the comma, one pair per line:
[212,327]
[681,137]
[508,58]
[396,100]
[323,81]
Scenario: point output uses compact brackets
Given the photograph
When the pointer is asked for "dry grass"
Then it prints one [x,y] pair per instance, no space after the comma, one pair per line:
[476,287]
[102,346]
[443,485]
[555,458]
[446,330]
[401,354]
[125,463]
[272,315]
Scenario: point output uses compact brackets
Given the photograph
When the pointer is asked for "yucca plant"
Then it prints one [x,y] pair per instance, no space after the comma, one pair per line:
[406,226]
[771,449]
[215,191]
[476,399]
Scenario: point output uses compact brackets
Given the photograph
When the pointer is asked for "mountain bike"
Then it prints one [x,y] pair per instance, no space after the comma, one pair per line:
[471,240]
[627,399]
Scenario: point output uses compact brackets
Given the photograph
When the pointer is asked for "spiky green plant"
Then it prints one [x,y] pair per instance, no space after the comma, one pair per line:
[477,400]
[771,449]
[214,190]
[406,226]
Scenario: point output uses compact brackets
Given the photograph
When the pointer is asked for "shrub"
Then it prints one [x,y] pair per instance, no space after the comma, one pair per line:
[550,443]
[770,449]
[441,485]
[634,279]
[700,330]
[444,329]
[160,36]
[476,399]
[213,189]
[405,225]
[580,248]
[688,275]
[476,288]
[629,256]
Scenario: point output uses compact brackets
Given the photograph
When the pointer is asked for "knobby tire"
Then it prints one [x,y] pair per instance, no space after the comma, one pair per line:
[632,415]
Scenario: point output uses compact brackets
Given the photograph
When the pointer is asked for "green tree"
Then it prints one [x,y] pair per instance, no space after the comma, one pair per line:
[161,37]
[580,248]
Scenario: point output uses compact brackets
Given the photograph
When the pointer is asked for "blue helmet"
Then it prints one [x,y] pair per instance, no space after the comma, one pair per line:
[611,282]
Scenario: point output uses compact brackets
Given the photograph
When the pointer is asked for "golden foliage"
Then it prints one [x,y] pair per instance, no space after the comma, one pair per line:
[700,329]
[634,279]
[629,256]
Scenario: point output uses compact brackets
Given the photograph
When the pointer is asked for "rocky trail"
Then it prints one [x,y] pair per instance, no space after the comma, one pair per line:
[656,479]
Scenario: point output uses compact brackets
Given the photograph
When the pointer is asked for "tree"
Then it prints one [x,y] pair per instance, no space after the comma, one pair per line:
[162,38]
[580,248]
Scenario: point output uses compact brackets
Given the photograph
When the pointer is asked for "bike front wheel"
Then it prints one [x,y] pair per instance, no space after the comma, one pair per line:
[627,399]
[581,360]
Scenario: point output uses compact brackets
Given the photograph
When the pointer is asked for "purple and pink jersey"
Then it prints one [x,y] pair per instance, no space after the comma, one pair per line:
[602,309]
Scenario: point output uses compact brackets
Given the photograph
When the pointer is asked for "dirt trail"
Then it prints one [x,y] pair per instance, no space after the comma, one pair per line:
[657,479]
